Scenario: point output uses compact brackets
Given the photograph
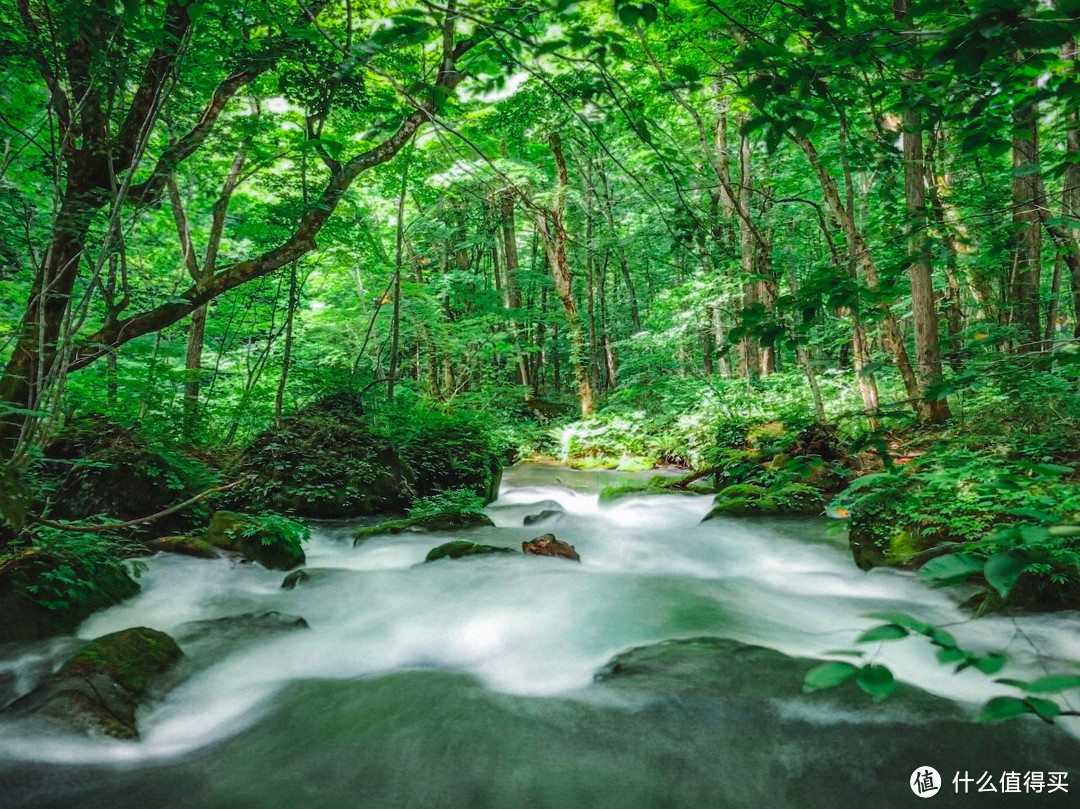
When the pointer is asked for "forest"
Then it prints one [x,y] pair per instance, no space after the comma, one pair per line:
[772,309]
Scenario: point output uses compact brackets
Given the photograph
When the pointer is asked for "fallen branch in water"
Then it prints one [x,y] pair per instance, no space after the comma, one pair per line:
[119,526]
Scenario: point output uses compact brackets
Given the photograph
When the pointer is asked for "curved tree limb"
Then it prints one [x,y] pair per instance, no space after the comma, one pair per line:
[302,241]
[119,526]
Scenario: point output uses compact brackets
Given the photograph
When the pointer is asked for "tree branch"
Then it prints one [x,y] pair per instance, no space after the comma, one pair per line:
[149,190]
[119,526]
[302,241]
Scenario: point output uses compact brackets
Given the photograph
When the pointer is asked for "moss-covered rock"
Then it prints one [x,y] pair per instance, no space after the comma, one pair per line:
[461,548]
[742,671]
[100,687]
[429,522]
[328,460]
[659,484]
[257,539]
[743,500]
[131,658]
[734,507]
[97,467]
[323,461]
[445,451]
[234,629]
[50,591]
[185,546]
[746,491]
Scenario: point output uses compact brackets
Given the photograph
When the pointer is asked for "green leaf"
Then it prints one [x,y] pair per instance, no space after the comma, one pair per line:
[1046,709]
[629,15]
[687,72]
[939,637]
[1001,708]
[1053,684]
[1003,569]
[901,619]
[877,681]
[1053,469]
[827,675]
[648,12]
[991,664]
[948,654]
[1021,684]
[949,569]
[883,632]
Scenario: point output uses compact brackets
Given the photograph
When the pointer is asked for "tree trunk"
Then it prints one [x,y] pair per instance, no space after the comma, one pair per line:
[620,253]
[920,272]
[1027,229]
[1071,195]
[857,246]
[511,285]
[286,358]
[553,236]
[395,333]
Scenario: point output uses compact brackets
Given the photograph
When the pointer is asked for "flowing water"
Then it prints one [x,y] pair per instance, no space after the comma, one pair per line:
[470,683]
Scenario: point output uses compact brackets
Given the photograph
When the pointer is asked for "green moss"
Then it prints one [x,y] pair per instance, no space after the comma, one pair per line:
[901,546]
[131,658]
[733,507]
[656,485]
[610,494]
[271,540]
[460,548]
[744,499]
[184,545]
[741,490]
[51,590]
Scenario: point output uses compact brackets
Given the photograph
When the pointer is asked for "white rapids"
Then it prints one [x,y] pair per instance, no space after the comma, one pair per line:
[650,570]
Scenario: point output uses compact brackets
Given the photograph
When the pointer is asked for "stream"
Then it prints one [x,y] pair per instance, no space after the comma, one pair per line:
[470,683]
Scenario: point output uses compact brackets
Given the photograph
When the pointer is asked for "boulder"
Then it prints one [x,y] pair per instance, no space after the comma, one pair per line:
[185,546]
[547,545]
[99,689]
[749,674]
[295,578]
[323,461]
[743,500]
[327,461]
[446,451]
[309,577]
[99,467]
[49,591]
[545,517]
[239,628]
[432,522]
[258,542]
[461,548]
